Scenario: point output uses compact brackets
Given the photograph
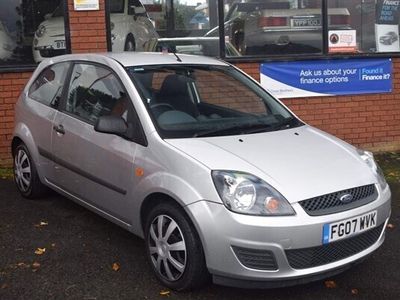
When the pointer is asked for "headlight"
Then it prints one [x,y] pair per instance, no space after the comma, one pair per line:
[248,194]
[41,31]
[368,157]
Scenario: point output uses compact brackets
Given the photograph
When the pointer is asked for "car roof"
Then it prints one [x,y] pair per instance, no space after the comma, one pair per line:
[128,59]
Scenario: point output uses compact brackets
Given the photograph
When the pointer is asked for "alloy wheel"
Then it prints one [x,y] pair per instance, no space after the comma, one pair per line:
[22,170]
[167,248]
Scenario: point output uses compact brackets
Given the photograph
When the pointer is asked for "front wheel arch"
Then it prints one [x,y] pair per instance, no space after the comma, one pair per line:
[195,273]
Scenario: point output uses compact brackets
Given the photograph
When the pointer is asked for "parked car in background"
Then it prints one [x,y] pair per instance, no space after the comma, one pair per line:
[208,46]
[275,28]
[194,156]
[389,38]
[7,43]
[131,30]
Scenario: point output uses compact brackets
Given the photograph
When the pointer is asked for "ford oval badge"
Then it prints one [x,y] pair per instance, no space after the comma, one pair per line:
[346,198]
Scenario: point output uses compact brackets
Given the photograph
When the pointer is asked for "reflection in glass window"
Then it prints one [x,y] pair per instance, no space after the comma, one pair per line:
[190,15]
[47,88]
[31,30]
[95,92]
[167,26]
[273,27]
[373,26]
[131,27]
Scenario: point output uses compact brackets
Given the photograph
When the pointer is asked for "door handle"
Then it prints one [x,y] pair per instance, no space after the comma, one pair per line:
[59,129]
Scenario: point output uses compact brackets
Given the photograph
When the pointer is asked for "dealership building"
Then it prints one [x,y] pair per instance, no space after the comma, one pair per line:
[335,63]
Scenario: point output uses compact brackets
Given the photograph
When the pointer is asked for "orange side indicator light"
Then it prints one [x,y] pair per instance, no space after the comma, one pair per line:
[139,172]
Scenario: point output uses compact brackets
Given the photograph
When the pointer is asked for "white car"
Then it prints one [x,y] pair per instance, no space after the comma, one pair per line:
[131,30]
[7,44]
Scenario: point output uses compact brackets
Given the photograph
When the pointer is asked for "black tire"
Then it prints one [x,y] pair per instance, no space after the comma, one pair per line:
[195,273]
[26,177]
[130,44]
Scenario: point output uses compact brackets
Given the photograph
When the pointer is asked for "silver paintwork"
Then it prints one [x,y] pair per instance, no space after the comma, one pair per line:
[300,166]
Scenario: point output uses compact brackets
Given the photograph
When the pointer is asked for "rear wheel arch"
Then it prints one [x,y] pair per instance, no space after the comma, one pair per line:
[14,143]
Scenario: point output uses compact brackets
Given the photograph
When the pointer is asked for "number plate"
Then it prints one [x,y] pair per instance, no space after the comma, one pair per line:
[306,22]
[59,45]
[346,228]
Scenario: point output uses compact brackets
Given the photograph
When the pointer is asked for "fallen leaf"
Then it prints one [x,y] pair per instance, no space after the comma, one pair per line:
[23,265]
[115,266]
[390,226]
[40,251]
[354,291]
[41,224]
[4,286]
[36,265]
[165,293]
[330,284]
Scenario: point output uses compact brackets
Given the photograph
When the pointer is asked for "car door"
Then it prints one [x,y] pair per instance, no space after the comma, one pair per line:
[96,168]
[43,99]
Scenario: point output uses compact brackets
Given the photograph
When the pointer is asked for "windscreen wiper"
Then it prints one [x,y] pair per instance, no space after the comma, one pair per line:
[239,128]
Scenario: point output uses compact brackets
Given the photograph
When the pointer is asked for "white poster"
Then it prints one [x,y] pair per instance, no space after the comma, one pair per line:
[86,5]
[387,38]
[342,41]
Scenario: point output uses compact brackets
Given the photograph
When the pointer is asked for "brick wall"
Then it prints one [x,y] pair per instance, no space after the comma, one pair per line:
[370,121]
[11,85]
[87,29]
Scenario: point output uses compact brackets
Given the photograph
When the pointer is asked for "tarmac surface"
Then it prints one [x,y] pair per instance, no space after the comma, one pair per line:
[78,250]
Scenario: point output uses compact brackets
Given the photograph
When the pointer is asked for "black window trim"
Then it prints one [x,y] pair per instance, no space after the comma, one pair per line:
[27,67]
[62,106]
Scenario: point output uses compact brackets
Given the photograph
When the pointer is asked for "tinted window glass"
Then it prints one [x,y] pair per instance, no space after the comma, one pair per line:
[95,91]
[47,88]
[117,6]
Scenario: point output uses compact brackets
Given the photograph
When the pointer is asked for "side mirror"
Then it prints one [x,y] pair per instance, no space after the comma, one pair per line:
[111,124]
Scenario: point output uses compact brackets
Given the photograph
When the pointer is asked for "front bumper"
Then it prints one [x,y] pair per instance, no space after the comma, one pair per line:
[222,230]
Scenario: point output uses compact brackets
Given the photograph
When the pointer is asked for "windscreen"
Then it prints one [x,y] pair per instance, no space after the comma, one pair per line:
[195,101]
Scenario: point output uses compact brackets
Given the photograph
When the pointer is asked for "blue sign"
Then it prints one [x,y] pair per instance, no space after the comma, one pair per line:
[327,78]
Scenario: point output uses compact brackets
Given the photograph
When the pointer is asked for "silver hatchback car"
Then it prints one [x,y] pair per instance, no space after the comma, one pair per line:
[192,155]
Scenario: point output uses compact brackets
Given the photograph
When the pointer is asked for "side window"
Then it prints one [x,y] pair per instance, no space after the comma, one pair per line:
[95,91]
[47,87]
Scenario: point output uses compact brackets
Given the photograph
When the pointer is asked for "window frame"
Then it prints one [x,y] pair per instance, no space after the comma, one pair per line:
[29,67]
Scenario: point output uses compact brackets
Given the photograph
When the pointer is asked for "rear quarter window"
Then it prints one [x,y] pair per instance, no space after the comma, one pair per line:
[47,87]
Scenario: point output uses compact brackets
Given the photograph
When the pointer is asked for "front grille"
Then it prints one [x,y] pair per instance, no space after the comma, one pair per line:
[256,259]
[321,255]
[331,203]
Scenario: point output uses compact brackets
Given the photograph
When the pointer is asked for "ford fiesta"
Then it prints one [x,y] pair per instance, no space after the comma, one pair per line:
[192,155]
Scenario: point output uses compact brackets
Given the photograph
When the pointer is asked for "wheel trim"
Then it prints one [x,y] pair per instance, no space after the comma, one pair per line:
[22,170]
[169,258]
